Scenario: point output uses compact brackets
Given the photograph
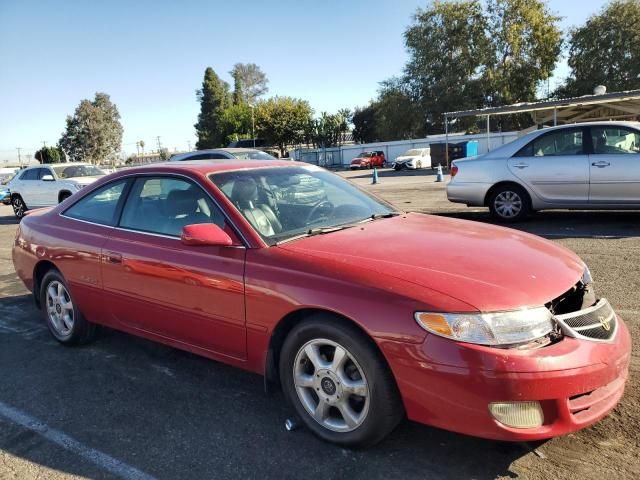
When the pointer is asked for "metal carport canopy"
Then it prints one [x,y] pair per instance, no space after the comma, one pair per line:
[606,106]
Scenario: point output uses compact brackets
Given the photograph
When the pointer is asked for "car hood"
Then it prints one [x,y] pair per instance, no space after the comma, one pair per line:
[357,160]
[406,158]
[82,180]
[486,267]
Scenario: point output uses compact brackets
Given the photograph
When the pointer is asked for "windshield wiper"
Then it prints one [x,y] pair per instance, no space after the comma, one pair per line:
[314,231]
[376,216]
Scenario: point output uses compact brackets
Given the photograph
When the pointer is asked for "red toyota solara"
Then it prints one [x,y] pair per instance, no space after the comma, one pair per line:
[362,314]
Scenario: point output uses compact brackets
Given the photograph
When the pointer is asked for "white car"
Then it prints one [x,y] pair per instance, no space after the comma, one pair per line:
[48,185]
[415,158]
[591,166]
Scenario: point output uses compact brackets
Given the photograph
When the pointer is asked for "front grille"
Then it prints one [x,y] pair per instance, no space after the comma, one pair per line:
[594,323]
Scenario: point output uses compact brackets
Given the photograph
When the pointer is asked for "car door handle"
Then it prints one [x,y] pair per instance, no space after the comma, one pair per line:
[113,258]
[600,164]
[521,165]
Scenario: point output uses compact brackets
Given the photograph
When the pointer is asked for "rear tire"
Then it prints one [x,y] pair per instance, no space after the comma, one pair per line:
[65,322]
[19,207]
[350,400]
[510,203]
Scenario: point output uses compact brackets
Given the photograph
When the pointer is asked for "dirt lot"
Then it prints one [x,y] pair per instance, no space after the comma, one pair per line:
[150,411]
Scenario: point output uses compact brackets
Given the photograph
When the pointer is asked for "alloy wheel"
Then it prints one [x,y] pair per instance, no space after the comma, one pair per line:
[508,204]
[18,207]
[331,385]
[60,309]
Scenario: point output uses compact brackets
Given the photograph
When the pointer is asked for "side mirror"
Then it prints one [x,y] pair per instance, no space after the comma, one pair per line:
[47,178]
[205,234]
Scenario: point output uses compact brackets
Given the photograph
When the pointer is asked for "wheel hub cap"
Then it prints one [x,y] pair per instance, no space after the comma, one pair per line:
[331,385]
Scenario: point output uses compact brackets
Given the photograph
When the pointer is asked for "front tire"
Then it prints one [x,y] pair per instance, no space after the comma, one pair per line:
[509,203]
[19,207]
[338,383]
[65,322]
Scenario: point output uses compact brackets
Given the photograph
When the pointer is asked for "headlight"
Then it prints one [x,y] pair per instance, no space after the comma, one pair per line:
[494,329]
[586,276]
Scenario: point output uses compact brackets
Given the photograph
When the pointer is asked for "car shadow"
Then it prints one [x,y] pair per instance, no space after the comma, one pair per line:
[172,414]
[390,172]
[558,224]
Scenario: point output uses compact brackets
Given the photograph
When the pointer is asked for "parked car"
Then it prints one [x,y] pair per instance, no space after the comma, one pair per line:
[222,154]
[501,335]
[413,159]
[369,160]
[5,190]
[580,166]
[46,185]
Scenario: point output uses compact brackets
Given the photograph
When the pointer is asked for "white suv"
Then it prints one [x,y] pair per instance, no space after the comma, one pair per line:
[47,185]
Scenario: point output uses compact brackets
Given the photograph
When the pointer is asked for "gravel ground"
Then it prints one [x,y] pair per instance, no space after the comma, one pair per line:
[163,413]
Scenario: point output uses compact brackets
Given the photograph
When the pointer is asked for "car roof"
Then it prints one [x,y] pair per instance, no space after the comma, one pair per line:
[212,166]
[61,164]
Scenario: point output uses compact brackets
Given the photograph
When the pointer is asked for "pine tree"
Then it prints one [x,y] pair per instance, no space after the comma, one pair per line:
[214,98]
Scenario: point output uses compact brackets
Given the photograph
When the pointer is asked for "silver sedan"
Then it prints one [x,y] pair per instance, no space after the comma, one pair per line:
[579,166]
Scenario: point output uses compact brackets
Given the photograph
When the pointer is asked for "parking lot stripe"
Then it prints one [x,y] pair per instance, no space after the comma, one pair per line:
[63,440]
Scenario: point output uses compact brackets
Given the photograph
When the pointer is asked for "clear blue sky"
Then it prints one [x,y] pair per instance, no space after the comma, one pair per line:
[150,57]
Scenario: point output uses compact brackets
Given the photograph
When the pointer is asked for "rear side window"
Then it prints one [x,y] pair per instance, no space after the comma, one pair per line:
[553,144]
[100,206]
[615,141]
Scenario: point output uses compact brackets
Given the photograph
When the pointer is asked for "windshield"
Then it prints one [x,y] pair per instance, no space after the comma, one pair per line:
[285,202]
[253,155]
[74,171]
[412,153]
[7,179]
[365,155]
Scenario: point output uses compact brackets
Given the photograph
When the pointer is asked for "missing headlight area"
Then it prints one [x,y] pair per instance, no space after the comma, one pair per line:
[579,314]
[577,298]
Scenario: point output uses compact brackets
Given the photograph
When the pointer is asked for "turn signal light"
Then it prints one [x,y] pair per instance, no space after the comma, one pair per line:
[434,322]
[518,414]
[454,170]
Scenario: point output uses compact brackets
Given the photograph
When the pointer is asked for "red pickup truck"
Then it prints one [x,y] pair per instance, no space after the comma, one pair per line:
[371,159]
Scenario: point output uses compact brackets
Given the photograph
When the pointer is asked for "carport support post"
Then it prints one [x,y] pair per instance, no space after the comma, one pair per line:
[555,116]
[446,141]
[488,139]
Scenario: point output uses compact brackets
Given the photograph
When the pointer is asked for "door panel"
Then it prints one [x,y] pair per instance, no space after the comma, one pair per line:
[555,167]
[156,284]
[191,294]
[615,166]
[48,191]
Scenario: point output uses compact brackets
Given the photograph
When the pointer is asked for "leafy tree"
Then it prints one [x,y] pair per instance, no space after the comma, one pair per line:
[463,56]
[605,51]
[365,129]
[50,155]
[93,133]
[236,122]
[214,98]
[281,121]
[250,83]
[448,48]
[397,116]
[164,154]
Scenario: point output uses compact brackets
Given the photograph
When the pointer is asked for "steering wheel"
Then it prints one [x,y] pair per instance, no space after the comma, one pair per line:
[323,205]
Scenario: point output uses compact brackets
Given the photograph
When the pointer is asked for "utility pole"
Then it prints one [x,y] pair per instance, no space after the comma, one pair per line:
[189,144]
[253,126]
[19,156]
[159,144]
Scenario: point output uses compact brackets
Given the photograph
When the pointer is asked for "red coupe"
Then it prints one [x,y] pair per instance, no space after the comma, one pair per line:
[498,335]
